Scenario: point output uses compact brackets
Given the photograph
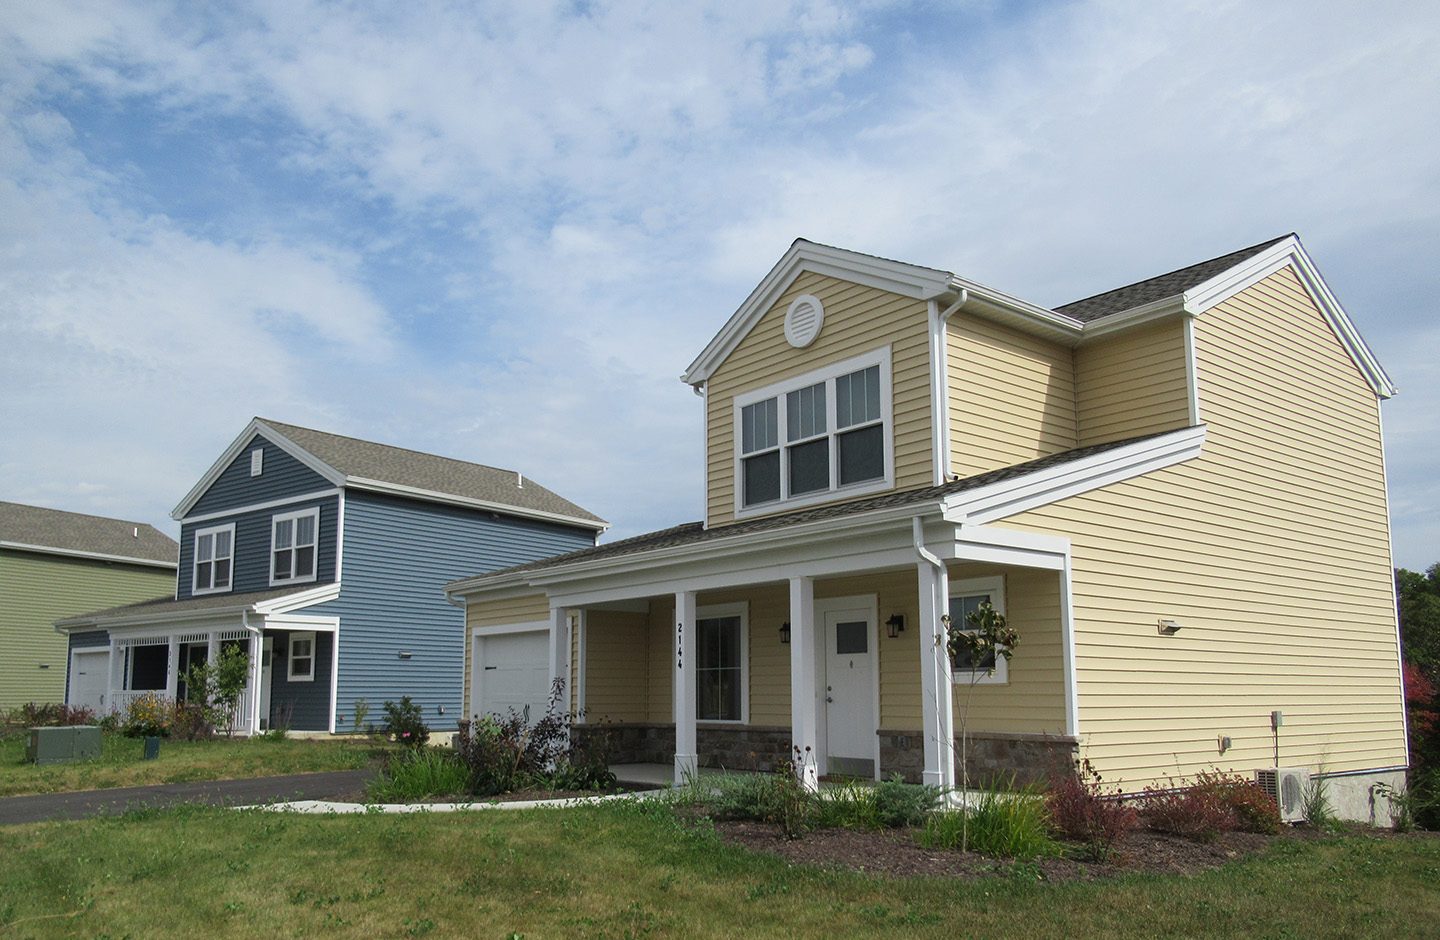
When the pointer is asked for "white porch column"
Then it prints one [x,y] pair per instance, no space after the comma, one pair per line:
[114,681]
[257,649]
[804,724]
[172,670]
[686,752]
[936,704]
[560,653]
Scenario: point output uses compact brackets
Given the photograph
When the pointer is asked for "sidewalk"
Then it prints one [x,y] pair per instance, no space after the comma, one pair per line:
[342,785]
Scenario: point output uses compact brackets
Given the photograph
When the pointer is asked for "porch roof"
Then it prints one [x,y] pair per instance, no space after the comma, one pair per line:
[167,607]
[690,533]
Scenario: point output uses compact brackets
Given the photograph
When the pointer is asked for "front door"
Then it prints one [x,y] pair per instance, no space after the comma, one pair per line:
[850,670]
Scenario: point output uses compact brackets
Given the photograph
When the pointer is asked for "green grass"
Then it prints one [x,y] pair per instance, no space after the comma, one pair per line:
[608,871]
[120,763]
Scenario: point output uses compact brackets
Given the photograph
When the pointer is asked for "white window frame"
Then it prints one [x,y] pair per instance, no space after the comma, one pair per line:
[290,674]
[827,375]
[212,531]
[293,518]
[739,609]
[994,587]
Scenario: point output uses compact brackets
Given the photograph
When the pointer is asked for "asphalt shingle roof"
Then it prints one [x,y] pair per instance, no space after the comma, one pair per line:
[1160,286]
[695,532]
[167,605]
[403,467]
[78,532]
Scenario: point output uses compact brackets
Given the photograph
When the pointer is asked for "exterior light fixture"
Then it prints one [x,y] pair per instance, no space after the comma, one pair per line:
[895,625]
[1166,627]
[785,632]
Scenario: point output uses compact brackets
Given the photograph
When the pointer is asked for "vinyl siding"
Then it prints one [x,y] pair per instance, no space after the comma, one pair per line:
[1272,549]
[307,702]
[501,612]
[38,589]
[399,554]
[617,668]
[858,320]
[1012,396]
[281,476]
[1132,383]
[252,546]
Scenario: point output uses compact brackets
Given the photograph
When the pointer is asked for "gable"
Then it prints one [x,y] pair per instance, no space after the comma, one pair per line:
[281,476]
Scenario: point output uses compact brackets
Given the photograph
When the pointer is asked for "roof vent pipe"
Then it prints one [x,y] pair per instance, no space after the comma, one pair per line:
[519,480]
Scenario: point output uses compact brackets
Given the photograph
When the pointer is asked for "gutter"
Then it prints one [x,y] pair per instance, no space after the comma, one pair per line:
[939,390]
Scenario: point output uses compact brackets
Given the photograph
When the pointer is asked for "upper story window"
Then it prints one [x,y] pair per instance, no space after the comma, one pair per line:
[214,559]
[818,434]
[293,538]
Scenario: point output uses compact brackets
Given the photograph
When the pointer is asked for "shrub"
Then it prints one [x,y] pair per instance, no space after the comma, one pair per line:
[851,805]
[1002,824]
[420,772]
[508,753]
[35,715]
[777,798]
[904,804]
[403,721]
[191,721]
[1251,808]
[1193,812]
[147,716]
[1083,810]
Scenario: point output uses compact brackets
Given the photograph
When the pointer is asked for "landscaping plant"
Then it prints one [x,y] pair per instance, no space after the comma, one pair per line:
[987,637]
[509,753]
[1082,809]
[1251,808]
[1003,824]
[416,773]
[216,687]
[1192,812]
[902,804]
[404,723]
[147,716]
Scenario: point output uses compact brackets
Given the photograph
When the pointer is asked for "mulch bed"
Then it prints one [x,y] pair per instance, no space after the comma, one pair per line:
[897,852]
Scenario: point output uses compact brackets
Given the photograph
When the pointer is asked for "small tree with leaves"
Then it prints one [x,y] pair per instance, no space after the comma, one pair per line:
[978,645]
[217,686]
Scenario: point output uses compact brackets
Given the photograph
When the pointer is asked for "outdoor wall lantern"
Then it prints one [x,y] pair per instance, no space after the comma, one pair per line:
[895,625]
[785,632]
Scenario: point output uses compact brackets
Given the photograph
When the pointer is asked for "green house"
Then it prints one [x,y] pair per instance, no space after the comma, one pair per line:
[56,564]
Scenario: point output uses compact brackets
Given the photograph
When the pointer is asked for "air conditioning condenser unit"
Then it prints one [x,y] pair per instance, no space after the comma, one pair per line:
[1287,786]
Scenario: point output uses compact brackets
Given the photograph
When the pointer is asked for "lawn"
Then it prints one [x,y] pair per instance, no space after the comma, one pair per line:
[632,871]
[120,763]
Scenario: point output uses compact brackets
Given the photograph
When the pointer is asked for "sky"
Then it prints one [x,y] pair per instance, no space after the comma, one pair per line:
[500,231]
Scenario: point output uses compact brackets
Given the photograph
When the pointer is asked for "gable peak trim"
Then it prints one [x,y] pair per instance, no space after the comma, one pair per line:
[238,446]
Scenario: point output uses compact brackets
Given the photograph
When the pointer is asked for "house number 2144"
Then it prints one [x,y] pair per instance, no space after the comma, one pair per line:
[679,646]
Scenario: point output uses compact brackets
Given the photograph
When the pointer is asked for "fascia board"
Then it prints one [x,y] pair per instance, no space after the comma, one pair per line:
[1290,251]
[897,277]
[434,496]
[283,605]
[218,467]
[93,556]
[999,301]
[1010,497]
[1135,316]
[121,621]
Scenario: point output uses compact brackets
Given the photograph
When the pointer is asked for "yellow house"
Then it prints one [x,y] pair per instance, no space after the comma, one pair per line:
[1174,491]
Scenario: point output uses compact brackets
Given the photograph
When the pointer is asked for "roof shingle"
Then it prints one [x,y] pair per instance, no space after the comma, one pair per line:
[77,532]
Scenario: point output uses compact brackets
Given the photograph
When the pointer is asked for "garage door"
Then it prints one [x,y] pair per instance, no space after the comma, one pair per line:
[88,681]
[512,672]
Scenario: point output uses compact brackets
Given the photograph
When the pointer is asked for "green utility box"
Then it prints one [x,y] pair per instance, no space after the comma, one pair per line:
[63,745]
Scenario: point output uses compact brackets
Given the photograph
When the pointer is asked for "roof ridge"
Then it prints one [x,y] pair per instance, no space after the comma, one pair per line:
[86,515]
[408,450]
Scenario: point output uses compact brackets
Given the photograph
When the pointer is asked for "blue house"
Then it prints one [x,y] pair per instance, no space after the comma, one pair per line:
[325,557]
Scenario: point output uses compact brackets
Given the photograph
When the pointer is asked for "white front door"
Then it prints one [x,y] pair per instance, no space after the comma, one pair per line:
[850,669]
[90,678]
[512,672]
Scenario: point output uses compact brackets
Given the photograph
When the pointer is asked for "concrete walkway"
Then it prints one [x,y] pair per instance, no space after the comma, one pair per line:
[342,785]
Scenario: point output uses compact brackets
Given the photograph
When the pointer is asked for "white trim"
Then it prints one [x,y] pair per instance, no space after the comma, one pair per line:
[259,507]
[703,390]
[582,657]
[1192,374]
[449,499]
[1067,651]
[299,600]
[1394,595]
[682,699]
[195,536]
[339,539]
[290,674]
[294,519]
[256,426]
[524,626]
[992,586]
[826,375]
[739,609]
[335,674]
[797,336]
[804,690]
[1073,477]
[302,623]
[1135,316]
[823,606]
[96,556]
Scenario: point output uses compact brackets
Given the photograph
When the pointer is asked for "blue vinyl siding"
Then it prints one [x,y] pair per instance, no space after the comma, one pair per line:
[399,554]
[252,546]
[308,702]
[280,476]
[89,640]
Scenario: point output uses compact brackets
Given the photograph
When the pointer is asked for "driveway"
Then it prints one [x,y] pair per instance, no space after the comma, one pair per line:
[341,785]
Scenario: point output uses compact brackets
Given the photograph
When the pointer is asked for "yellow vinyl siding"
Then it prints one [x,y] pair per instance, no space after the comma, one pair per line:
[1132,383]
[858,320]
[500,612]
[1271,549]
[617,667]
[1012,396]
[38,589]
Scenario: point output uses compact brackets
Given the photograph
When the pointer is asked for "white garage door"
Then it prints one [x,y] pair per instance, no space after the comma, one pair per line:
[512,672]
[88,681]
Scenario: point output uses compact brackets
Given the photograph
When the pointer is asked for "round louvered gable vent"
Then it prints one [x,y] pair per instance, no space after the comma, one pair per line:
[803,320]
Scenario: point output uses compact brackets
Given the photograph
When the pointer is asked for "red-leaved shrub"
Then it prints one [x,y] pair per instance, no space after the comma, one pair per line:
[1252,808]
[1193,812]
[1082,809]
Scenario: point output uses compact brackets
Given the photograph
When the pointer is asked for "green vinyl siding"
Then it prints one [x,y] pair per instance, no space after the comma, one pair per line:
[35,591]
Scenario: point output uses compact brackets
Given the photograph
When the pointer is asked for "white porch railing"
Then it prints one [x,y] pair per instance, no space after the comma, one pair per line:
[119,699]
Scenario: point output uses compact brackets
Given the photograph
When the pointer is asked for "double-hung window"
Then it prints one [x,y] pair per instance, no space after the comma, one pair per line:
[301,659]
[965,598]
[293,539]
[815,435]
[214,559]
[721,670]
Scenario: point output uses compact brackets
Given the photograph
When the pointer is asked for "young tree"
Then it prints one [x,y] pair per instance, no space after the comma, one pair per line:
[980,644]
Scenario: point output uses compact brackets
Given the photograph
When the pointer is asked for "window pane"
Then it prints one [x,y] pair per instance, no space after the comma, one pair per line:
[305,530]
[862,454]
[857,397]
[718,669]
[851,637]
[283,530]
[762,478]
[960,610]
[222,572]
[810,467]
[222,544]
[760,426]
[204,546]
[305,561]
[282,563]
[202,574]
[805,412]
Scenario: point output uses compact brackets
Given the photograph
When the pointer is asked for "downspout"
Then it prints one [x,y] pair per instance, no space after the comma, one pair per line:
[939,384]
[944,708]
